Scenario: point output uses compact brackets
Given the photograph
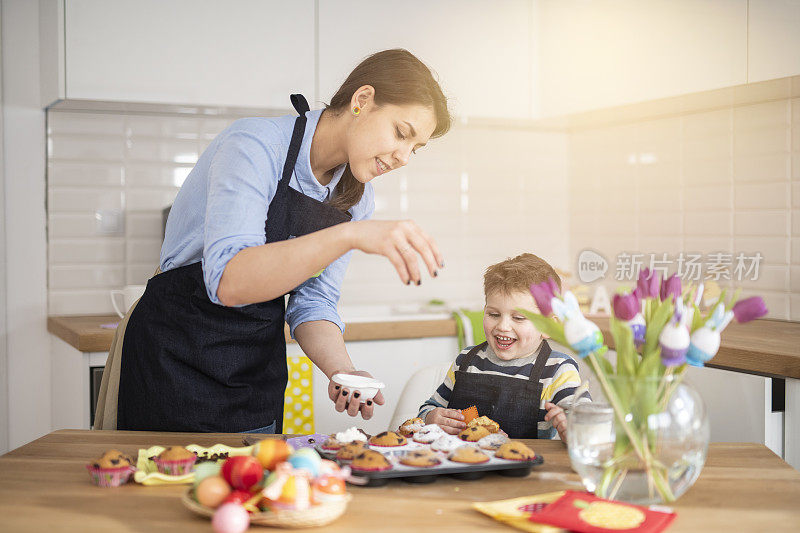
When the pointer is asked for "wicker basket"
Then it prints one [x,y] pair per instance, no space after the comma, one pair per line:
[317,515]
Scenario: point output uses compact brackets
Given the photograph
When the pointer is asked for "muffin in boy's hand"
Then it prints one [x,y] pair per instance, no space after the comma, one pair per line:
[486,422]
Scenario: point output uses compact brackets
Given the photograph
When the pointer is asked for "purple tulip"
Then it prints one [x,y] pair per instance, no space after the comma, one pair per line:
[647,284]
[749,309]
[671,287]
[626,306]
[544,293]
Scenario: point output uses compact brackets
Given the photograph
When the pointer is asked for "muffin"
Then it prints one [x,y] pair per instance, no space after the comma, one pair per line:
[388,439]
[420,458]
[486,422]
[348,451]
[514,450]
[332,444]
[468,454]
[111,469]
[175,461]
[473,434]
[429,433]
[446,443]
[410,426]
[492,441]
[370,460]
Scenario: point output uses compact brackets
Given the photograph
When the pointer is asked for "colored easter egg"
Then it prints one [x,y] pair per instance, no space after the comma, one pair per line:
[306,459]
[238,496]
[328,467]
[242,472]
[204,470]
[212,491]
[270,452]
[230,518]
[327,488]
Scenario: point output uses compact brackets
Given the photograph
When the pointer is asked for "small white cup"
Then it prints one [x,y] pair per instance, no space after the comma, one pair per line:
[130,294]
[368,387]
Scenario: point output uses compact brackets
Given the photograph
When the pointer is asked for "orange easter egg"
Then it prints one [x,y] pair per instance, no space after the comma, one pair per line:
[212,491]
[270,452]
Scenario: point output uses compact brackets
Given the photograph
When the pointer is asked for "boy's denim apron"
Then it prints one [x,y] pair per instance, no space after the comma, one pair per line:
[511,402]
[189,364]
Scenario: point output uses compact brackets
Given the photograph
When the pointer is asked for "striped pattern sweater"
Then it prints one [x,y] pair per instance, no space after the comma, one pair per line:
[559,380]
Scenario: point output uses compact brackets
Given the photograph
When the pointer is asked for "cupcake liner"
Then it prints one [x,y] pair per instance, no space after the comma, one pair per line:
[175,468]
[110,477]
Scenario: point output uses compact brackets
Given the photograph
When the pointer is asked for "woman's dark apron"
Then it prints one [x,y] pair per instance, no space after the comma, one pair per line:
[189,364]
[511,402]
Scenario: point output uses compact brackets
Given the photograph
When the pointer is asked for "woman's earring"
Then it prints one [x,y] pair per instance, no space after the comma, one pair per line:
[356,110]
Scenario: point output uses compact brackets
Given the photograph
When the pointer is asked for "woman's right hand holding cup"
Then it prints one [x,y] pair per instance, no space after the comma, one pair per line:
[400,241]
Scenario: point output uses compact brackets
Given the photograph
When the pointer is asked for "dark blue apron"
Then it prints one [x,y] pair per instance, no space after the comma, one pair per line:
[511,402]
[189,364]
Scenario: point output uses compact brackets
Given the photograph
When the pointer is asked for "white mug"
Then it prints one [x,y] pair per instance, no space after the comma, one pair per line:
[130,294]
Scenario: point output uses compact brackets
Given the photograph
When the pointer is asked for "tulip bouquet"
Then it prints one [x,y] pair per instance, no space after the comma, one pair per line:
[658,330]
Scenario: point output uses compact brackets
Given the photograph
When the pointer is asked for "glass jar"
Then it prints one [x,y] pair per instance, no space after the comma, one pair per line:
[646,444]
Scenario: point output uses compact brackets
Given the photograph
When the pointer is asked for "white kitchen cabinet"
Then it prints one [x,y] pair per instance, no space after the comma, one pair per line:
[773,45]
[481,50]
[241,53]
[612,52]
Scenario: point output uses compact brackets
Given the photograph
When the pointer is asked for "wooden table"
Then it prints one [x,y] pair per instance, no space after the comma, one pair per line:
[44,487]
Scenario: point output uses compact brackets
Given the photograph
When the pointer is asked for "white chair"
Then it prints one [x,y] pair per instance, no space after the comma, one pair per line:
[419,387]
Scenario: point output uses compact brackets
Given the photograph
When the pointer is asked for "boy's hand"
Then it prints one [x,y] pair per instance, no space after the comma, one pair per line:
[449,420]
[556,416]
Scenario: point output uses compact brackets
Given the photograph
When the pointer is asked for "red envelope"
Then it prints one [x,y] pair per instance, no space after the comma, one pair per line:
[586,513]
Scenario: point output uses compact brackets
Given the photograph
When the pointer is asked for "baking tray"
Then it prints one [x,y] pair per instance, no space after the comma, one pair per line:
[428,474]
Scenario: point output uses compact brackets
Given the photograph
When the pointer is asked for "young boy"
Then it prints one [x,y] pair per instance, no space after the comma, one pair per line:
[514,377]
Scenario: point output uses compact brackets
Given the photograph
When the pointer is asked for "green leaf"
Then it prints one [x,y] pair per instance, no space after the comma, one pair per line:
[604,363]
[650,365]
[697,319]
[659,319]
[549,326]
[626,352]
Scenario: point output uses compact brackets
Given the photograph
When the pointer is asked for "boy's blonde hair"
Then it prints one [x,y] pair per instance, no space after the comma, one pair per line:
[517,274]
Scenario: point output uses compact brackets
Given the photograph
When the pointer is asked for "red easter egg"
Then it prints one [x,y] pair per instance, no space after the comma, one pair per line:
[242,472]
[270,452]
[237,496]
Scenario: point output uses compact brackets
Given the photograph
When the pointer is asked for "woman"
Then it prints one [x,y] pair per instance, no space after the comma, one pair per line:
[273,206]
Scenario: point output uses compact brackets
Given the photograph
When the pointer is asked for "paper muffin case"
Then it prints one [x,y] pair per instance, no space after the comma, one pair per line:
[110,477]
[175,468]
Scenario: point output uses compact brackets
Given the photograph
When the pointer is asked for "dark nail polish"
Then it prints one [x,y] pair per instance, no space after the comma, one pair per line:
[369,402]
[337,387]
[435,273]
[419,282]
[356,395]
[344,393]
[408,282]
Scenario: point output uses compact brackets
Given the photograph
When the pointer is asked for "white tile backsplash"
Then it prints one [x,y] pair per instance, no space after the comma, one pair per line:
[729,188]
[714,180]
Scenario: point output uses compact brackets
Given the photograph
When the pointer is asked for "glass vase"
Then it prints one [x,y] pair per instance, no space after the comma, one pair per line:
[644,440]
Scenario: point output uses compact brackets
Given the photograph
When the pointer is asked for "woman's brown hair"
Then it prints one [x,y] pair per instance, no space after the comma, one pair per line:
[399,78]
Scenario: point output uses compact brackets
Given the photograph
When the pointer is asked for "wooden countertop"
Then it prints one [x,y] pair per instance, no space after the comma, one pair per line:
[44,487]
[85,334]
[763,347]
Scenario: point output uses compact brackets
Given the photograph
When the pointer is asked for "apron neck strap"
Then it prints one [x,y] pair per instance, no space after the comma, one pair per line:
[301,106]
[541,360]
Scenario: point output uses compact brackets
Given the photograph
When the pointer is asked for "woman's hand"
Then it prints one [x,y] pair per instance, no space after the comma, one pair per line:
[348,400]
[400,241]
[450,420]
